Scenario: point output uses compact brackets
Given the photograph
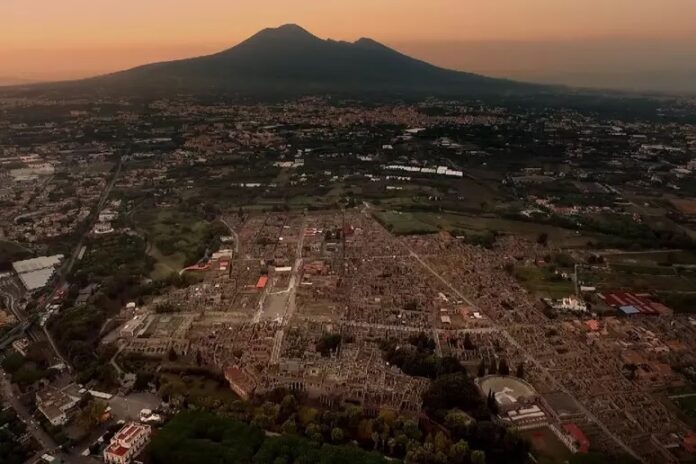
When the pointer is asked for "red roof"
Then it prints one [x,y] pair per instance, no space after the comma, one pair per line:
[593,325]
[579,436]
[641,302]
[117,449]
[263,280]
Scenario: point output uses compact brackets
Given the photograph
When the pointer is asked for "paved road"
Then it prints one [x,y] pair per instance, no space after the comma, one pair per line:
[33,427]
[67,266]
[234,234]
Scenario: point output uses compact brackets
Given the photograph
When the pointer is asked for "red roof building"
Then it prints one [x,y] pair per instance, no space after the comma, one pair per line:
[127,443]
[263,280]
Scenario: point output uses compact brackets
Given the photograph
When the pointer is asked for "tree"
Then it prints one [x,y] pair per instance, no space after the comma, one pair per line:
[441,442]
[172,356]
[493,367]
[457,421]
[142,379]
[199,358]
[288,406]
[313,432]
[491,402]
[411,430]
[289,426]
[468,344]
[459,452]
[452,391]
[543,239]
[520,370]
[481,368]
[478,457]
[503,368]
[337,435]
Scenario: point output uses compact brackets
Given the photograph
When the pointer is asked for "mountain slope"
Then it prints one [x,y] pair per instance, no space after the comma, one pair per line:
[290,60]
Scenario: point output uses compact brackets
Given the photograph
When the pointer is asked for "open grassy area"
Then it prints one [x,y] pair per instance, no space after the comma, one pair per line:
[687,405]
[477,224]
[175,238]
[683,401]
[543,282]
[401,223]
[616,279]
[653,258]
[197,389]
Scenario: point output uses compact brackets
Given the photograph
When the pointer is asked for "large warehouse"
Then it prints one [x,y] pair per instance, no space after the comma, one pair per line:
[35,273]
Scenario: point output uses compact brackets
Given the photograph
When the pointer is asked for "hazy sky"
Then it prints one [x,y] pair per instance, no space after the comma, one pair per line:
[55,39]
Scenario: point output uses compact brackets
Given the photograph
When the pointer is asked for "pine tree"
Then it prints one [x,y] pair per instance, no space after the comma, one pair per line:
[481,368]
[503,368]
[491,402]
[468,344]
[520,370]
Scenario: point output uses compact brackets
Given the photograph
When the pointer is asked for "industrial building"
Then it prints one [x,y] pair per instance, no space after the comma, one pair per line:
[36,273]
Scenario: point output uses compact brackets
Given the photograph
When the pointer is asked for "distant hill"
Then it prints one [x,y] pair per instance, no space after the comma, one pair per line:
[288,60]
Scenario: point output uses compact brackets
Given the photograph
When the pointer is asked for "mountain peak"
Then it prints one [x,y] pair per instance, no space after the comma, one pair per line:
[367,42]
[284,32]
[288,60]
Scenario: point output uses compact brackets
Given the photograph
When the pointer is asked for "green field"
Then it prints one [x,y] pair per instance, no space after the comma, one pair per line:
[616,279]
[687,405]
[685,401]
[404,223]
[653,258]
[462,223]
[543,282]
[199,390]
[175,238]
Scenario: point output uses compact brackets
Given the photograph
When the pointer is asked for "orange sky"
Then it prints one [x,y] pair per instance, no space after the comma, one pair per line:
[55,39]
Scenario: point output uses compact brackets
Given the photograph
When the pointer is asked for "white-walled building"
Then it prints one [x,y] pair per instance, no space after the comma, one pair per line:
[127,443]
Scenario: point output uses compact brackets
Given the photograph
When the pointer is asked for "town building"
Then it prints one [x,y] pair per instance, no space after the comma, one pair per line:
[54,404]
[127,443]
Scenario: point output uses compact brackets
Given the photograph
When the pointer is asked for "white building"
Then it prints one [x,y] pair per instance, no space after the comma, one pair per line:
[127,443]
[35,273]
[54,405]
